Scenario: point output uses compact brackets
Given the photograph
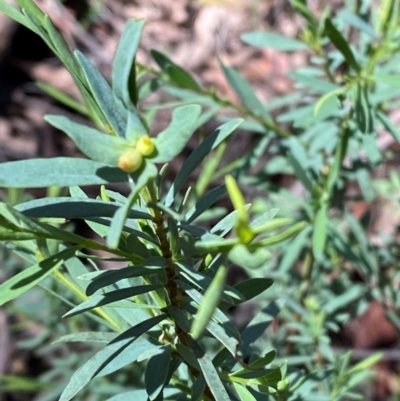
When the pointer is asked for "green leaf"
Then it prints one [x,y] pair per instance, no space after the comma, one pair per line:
[74,208]
[317,85]
[339,157]
[29,277]
[249,258]
[15,14]
[260,323]
[157,372]
[176,73]
[87,337]
[226,224]
[210,302]
[31,7]
[320,231]
[252,287]
[272,41]
[104,357]
[123,70]
[211,142]
[204,203]
[341,44]
[243,393]
[109,277]
[293,250]
[218,315]
[210,374]
[137,395]
[365,364]
[223,336]
[259,363]
[343,300]
[362,109]
[109,297]
[389,125]
[58,171]
[63,52]
[198,389]
[357,22]
[171,141]
[203,281]
[112,108]
[301,7]
[297,157]
[140,178]
[244,90]
[94,144]
[133,353]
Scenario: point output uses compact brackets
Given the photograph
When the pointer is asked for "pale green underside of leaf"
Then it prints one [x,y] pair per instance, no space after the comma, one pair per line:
[104,357]
[170,142]
[29,277]
[58,171]
[96,145]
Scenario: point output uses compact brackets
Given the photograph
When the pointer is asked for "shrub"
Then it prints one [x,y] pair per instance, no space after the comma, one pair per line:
[166,310]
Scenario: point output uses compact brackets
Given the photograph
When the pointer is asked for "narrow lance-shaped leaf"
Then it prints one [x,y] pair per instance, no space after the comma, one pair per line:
[362,109]
[341,44]
[390,126]
[87,337]
[157,371]
[29,277]
[63,51]
[260,323]
[244,90]
[242,227]
[58,171]
[210,374]
[252,287]
[31,7]
[197,156]
[13,13]
[124,76]
[137,395]
[273,41]
[204,203]
[109,297]
[320,231]
[105,278]
[95,144]
[339,157]
[146,173]
[104,357]
[170,142]
[243,393]
[73,208]
[176,73]
[112,107]
[210,302]
[124,60]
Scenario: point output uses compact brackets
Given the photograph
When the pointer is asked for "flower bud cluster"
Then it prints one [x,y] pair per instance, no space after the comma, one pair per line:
[132,158]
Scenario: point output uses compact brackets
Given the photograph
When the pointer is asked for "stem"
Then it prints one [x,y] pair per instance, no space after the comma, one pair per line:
[175,295]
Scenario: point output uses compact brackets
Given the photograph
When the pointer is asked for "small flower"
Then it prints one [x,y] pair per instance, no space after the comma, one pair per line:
[130,160]
[145,146]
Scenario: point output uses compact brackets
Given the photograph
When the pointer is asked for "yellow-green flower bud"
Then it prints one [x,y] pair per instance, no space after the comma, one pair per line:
[130,160]
[145,146]
[283,385]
